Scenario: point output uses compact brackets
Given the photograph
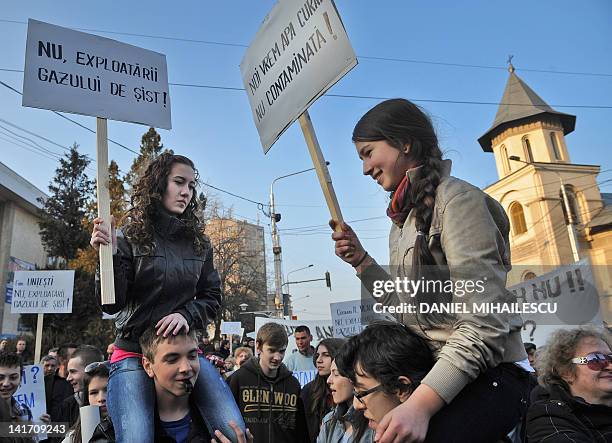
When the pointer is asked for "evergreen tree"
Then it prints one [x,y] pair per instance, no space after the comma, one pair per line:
[150,147]
[61,224]
[87,257]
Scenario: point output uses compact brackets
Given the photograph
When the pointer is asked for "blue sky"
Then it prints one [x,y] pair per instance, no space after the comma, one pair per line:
[215,128]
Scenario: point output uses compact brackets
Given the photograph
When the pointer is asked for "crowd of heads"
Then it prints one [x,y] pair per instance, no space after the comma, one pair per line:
[373,372]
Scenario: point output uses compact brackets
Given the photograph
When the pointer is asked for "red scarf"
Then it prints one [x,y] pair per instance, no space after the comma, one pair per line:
[400,205]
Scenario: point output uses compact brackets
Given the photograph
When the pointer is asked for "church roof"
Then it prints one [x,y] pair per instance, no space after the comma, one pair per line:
[520,102]
[603,220]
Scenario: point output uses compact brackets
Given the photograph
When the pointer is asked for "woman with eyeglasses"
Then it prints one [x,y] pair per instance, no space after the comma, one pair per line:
[451,239]
[575,404]
[165,278]
[95,385]
[386,363]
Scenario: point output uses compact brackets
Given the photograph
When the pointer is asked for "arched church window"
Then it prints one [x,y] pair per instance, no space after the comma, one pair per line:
[517,218]
[555,146]
[503,152]
[527,146]
[572,202]
[529,275]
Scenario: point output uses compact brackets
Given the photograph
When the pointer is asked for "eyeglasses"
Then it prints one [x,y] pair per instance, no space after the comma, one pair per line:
[91,367]
[595,361]
[360,395]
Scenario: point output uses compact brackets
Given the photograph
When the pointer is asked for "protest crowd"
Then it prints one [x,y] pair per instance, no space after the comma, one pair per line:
[470,379]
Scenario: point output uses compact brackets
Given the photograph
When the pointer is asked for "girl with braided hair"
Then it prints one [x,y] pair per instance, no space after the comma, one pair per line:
[445,234]
[164,278]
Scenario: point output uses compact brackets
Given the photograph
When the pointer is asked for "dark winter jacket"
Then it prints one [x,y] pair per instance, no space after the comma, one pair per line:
[559,417]
[105,432]
[272,408]
[312,420]
[56,390]
[171,278]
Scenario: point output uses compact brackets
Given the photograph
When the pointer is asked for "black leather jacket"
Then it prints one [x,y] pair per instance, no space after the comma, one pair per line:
[558,417]
[170,278]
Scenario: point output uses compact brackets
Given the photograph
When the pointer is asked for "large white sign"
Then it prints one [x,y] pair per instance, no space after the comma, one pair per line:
[568,290]
[231,327]
[351,317]
[319,329]
[299,52]
[67,70]
[42,292]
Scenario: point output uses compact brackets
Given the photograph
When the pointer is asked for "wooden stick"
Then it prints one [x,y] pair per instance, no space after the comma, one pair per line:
[38,346]
[321,167]
[107,282]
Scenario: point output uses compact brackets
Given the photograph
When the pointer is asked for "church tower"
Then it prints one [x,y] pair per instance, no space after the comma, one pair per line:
[552,203]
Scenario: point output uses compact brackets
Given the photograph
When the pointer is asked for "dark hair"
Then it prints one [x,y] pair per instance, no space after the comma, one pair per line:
[147,201]
[149,340]
[529,347]
[11,360]
[319,390]
[302,328]
[100,371]
[62,352]
[385,351]
[88,354]
[400,123]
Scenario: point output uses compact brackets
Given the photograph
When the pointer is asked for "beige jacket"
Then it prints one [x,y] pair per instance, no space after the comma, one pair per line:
[469,240]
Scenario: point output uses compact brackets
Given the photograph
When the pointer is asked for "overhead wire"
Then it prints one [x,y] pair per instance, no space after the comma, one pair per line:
[364,57]
[72,121]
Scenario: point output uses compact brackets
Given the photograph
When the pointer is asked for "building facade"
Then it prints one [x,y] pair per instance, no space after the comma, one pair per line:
[240,257]
[557,212]
[21,247]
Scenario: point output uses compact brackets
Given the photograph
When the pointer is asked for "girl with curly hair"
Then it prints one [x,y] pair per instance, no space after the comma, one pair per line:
[164,277]
[444,233]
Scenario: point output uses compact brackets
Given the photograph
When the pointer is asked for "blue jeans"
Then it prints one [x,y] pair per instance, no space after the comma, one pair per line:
[131,401]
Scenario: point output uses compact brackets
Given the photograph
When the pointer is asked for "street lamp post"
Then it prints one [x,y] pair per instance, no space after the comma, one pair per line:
[276,247]
[571,228]
[288,290]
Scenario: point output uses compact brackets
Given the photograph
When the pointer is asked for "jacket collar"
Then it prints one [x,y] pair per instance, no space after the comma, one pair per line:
[167,224]
[445,171]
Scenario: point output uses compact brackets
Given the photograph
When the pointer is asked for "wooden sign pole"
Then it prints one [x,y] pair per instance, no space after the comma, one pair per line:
[107,282]
[38,346]
[321,167]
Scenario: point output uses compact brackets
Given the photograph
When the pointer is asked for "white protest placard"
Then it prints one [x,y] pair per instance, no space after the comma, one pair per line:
[231,327]
[351,317]
[320,329]
[299,52]
[42,292]
[72,71]
[568,290]
[31,391]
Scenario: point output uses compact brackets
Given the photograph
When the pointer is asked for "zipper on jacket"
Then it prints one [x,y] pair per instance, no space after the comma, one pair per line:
[270,416]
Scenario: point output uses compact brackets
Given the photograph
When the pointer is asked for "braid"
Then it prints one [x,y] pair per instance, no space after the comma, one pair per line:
[423,263]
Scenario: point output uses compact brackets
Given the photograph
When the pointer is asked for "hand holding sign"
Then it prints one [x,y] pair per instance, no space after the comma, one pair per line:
[348,247]
[100,235]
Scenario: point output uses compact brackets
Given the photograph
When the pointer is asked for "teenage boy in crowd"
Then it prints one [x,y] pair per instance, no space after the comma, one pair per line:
[10,378]
[301,359]
[267,393]
[172,362]
[68,409]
